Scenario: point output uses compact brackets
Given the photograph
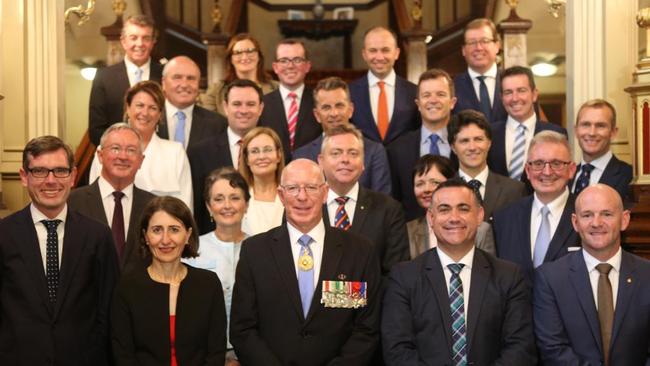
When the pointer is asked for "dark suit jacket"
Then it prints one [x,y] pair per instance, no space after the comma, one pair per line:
[617,174]
[466,97]
[512,234]
[88,201]
[106,105]
[380,219]
[406,116]
[140,320]
[416,317]
[501,191]
[274,116]
[403,153]
[267,326]
[73,331]
[566,319]
[204,157]
[205,124]
[376,174]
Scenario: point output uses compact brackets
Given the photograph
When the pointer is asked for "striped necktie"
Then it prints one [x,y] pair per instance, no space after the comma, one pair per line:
[341,219]
[516,167]
[457,307]
[292,118]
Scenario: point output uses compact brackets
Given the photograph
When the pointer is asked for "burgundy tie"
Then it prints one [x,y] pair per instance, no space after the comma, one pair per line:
[117,225]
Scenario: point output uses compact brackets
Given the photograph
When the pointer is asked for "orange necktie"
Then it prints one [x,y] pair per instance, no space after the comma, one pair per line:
[382,111]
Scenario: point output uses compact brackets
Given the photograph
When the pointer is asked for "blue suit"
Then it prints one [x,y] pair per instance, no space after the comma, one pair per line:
[406,116]
[512,234]
[467,98]
[617,174]
[376,175]
[566,319]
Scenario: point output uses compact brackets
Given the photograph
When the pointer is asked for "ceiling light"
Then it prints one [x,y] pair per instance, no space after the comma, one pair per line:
[544,68]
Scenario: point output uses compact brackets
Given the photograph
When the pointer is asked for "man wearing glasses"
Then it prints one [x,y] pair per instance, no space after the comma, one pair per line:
[288,110]
[537,228]
[113,199]
[58,269]
[305,293]
[479,88]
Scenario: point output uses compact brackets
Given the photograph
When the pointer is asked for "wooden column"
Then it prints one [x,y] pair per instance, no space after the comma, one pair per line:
[416,53]
[513,30]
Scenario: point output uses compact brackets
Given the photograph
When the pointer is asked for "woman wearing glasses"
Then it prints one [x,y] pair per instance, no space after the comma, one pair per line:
[428,173]
[244,60]
[261,163]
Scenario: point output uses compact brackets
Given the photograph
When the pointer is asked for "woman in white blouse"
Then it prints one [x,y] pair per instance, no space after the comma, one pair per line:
[226,196]
[165,170]
[260,163]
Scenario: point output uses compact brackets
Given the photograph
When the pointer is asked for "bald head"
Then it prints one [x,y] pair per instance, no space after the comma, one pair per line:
[180,81]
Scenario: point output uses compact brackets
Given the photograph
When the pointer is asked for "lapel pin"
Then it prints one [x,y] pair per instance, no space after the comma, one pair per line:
[341,277]
[363,207]
[629,280]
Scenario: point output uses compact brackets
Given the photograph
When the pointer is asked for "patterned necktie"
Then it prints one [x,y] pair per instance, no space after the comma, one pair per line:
[52,258]
[138,75]
[605,308]
[179,134]
[341,219]
[516,167]
[543,238]
[583,179]
[484,98]
[382,110]
[476,185]
[117,225]
[292,118]
[456,302]
[306,276]
[433,146]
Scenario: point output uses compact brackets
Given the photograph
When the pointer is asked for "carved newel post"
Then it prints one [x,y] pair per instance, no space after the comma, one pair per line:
[115,53]
[513,30]
[416,47]
[216,42]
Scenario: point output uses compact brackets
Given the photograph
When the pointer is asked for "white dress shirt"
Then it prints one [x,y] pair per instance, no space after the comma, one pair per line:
[490,81]
[512,132]
[172,120]
[556,207]
[389,89]
[234,146]
[41,231]
[350,205]
[131,70]
[317,235]
[465,274]
[613,275]
[286,101]
[481,177]
[443,144]
[108,201]
[599,165]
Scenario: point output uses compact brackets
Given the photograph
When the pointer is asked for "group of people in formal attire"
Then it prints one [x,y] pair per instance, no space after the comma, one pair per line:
[378,222]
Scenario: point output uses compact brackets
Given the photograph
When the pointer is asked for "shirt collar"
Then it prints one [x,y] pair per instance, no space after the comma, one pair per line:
[441,132]
[556,206]
[481,177]
[592,262]
[389,79]
[445,260]
[106,189]
[317,233]
[38,216]
[530,122]
[353,194]
[601,162]
[284,91]
[233,138]
[491,73]
[172,109]
[131,67]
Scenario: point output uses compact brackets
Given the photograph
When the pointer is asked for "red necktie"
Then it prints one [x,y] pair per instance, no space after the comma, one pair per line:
[382,111]
[292,118]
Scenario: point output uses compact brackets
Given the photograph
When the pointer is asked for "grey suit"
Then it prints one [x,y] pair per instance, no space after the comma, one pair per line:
[419,237]
[501,191]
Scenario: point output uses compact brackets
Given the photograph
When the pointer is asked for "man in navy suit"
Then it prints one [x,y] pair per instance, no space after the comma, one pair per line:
[106,104]
[183,120]
[595,129]
[333,108]
[512,136]
[591,307]
[288,110]
[434,100]
[384,107]
[479,88]
[537,228]
[456,304]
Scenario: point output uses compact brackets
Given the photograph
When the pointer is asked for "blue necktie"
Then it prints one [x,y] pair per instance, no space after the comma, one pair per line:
[52,258]
[484,97]
[306,277]
[341,219]
[476,185]
[179,134]
[433,148]
[584,178]
[516,168]
[138,75]
[456,303]
[543,238]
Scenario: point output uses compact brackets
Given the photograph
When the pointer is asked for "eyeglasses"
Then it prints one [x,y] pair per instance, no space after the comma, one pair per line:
[285,61]
[116,150]
[294,189]
[556,165]
[247,51]
[483,42]
[257,151]
[44,172]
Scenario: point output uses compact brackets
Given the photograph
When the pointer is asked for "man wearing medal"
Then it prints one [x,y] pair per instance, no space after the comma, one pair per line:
[305,293]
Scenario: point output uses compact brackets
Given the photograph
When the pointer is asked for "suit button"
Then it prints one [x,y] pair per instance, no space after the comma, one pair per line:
[305,335]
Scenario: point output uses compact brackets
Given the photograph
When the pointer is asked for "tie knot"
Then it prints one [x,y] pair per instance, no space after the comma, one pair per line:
[305,240]
[455,268]
[521,128]
[475,183]
[381,84]
[180,115]
[545,211]
[51,225]
[481,78]
[588,168]
[292,95]
[342,200]
[434,138]
[604,268]
[118,195]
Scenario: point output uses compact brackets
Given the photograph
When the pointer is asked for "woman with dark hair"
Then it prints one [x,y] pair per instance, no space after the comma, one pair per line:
[244,60]
[226,196]
[168,313]
[429,171]
[165,170]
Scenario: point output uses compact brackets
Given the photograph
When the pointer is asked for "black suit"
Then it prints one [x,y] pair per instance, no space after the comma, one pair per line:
[500,192]
[204,157]
[416,316]
[73,331]
[617,174]
[205,124]
[274,116]
[267,326]
[380,219]
[106,105]
[403,153]
[466,97]
[88,201]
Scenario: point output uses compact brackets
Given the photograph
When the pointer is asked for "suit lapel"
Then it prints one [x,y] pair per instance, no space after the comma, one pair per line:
[96,211]
[303,113]
[525,254]
[469,87]
[481,273]
[433,272]
[132,236]
[559,242]
[627,284]
[332,253]
[281,251]
[499,150]
[492,192]
[579,279]
[366,112]
[611,173]
[364,203]
[161,130]
[73,246]
[197,127]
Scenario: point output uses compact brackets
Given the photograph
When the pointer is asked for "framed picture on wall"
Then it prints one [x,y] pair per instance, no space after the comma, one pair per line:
[346,13]
[296,15]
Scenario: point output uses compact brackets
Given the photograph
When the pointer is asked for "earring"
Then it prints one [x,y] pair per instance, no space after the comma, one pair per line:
[211,218]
